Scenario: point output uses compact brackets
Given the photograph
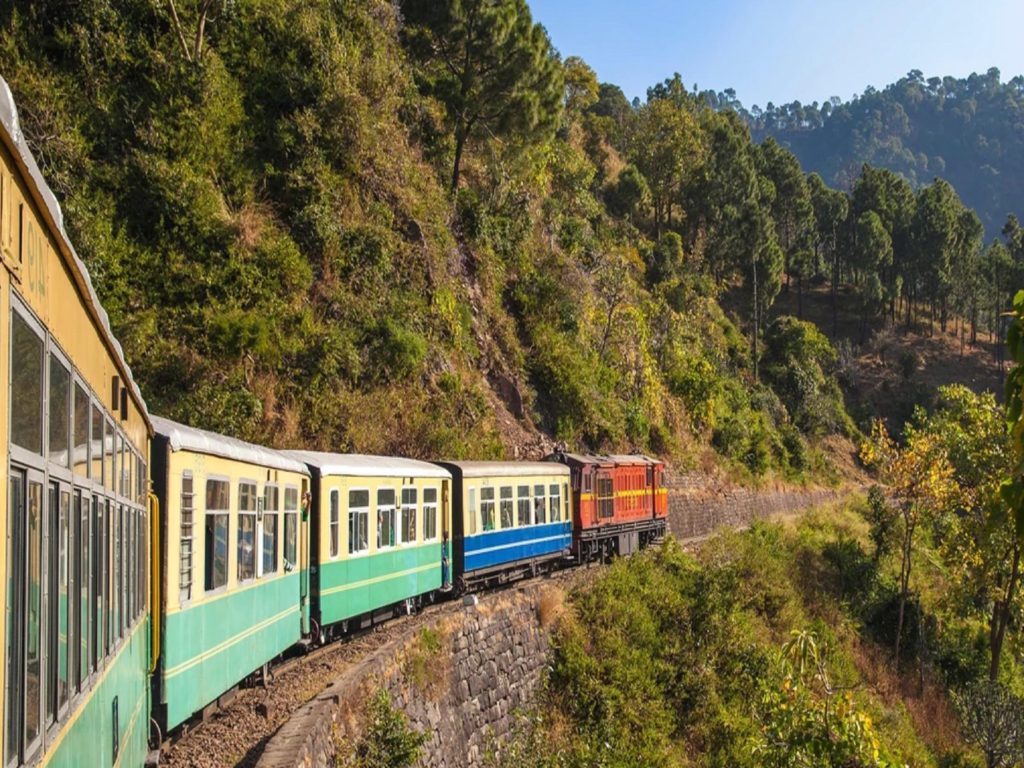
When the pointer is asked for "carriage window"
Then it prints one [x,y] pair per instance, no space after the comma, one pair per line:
[408,515]
[96,452]
[108,611]
[556,503]
[271,499]
[26,386]
[291,528]
[59,411]
[187,518]
[385,517]
[605,496]
[524,509]
[246,531]
[83,569]
[96,590]
[335,524]
[61,606]
[358,521]
[588,481]
[429,514]
[472,510]
[539,505]
[216,549]
[506,506]
[487,508]
[81,419]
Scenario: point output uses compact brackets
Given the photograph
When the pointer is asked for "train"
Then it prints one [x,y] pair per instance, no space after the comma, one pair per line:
[153,567]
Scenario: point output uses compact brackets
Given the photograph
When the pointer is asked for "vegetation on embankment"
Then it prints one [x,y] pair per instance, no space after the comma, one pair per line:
[770,647]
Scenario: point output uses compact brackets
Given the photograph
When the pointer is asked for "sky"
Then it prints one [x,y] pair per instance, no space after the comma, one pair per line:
[785,50]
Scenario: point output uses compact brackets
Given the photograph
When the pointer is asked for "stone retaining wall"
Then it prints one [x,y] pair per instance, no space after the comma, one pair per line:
[460,678]
[698,506]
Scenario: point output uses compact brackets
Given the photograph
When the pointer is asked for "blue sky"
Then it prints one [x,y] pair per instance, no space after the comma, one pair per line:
[780,51]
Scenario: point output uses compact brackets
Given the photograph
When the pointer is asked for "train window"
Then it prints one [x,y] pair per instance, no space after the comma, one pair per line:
[271,505]
[588,481]
[60,514]
[539,505]
[143,487]
[556,502]
[487,509]
[429,514]
[524,512]
[605,496]
[408,515]
[291,528]
[15,682]
[246,531]
[506,506]
[34,614]
[84,570]
[26,386]
[126,469]
[335,523]
[185,551]
[385,517]
[358,521]
[59,412]
[96,589]
[96,453]
[81,419]
[117,522]
[472,510]
[109,462]
[216,549]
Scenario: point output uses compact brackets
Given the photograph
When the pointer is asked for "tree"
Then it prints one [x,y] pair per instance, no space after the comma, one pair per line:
[830,211]
[992,719]
[489,64]
[922,483]
[872,258]
[629,191]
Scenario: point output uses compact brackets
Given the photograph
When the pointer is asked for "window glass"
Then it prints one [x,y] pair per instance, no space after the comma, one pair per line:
[472,510]
[187,520]
[385,517]
[524,510]
[26,387]
[335,523]
[109,463]
[246,531]
[408,515]
[63,604]
[59,411]
[81,418]
[487,509]
[271,499]
[506,506]
[216,549]
[84,569]
[15,683]
[291,528]
[96,453]
[539,506]
[96,589]
[33,646]
[556,502]
[358,521]
[429,513]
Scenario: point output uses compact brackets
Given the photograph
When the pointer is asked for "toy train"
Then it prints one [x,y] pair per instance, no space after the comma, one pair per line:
[151,567]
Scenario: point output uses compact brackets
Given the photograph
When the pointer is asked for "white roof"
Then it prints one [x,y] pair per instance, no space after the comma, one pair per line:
[508,468]
[35,182]
[363,465]
[183,438]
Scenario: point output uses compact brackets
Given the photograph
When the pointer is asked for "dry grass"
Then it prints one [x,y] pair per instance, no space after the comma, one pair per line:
[550,606]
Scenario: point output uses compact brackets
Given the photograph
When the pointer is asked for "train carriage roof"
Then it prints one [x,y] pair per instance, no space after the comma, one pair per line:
[633,458]
[364,465]
[184,438]
[14,139]
[506,468]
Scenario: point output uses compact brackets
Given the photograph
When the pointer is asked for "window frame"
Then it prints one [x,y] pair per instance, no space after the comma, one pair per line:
[390,510]
[254,515]
[209,546]
[408,516]
[433,507]
[353,513]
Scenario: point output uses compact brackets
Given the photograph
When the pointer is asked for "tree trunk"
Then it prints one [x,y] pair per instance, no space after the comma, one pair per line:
[800,297]
[905,565]
[835,294]
[460,142]
[1001,612]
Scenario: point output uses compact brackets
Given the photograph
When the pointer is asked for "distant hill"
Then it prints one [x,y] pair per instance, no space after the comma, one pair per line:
[969,131]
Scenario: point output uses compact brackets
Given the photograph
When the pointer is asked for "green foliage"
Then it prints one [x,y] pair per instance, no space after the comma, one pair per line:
[882,519]
[387,740]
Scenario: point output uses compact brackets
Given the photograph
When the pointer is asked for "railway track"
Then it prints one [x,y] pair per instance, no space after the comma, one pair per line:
[236,734]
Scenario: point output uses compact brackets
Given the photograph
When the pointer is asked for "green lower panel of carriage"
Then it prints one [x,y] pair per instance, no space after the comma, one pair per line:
[209,647]
[117,703]
[363,584]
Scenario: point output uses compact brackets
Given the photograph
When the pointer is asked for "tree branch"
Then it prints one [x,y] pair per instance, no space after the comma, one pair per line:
[177,28]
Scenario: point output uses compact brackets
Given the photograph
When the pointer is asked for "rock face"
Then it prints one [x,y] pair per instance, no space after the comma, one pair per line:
[462,677]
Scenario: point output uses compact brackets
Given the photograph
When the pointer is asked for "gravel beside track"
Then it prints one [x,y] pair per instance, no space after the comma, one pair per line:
[237,734]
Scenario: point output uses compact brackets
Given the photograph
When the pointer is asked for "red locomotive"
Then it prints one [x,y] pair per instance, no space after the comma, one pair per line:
[620,503]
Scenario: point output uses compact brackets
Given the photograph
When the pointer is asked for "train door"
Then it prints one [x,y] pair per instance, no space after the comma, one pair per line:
[304,563]
[446,542]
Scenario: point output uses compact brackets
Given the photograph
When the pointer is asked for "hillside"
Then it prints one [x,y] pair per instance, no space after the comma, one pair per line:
[966,130]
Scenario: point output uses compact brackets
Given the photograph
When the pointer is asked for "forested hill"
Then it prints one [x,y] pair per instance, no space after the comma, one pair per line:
[417,229]
[969,131]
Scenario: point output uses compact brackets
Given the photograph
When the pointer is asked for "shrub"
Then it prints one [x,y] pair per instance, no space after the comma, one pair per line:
[387,741]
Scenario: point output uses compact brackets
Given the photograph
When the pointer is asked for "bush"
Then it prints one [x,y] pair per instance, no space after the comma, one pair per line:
[387,741]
